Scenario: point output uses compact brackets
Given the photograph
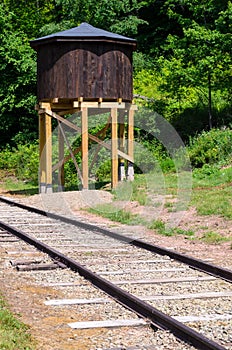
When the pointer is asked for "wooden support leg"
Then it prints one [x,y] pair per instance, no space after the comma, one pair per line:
[130,169]
[61,179]
[121,169]
[114,148]
[48,153]
[42,156]
[84,145]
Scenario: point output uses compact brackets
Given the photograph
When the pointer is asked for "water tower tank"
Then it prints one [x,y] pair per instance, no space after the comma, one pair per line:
[84,62]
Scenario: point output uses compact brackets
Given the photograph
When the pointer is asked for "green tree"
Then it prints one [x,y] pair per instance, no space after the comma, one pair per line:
[29,16]
[18,81]
[119,16]
[200,56]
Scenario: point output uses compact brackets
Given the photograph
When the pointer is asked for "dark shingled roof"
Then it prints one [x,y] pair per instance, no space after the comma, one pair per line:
[82,32]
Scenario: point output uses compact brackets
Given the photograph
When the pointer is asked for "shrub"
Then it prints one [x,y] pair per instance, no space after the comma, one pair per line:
[23,161]
[212,147]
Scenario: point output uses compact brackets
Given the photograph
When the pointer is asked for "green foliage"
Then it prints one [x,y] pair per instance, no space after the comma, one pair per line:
[184,106]
[207,171]
[27,14]
[212,175]
[159,227]
[18,81]
[211,147]
[13,333]
[23,161]
[103,173]
[183,62]
[200,52]
[117,16]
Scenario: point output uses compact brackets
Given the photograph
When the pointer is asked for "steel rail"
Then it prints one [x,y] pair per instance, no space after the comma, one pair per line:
[198,264]
[141,308]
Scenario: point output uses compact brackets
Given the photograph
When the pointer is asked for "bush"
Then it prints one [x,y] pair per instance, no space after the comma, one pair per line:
[23,161]
[212,147]
[206,171]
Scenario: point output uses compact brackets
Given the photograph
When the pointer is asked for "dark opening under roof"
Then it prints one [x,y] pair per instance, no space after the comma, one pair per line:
[82,32]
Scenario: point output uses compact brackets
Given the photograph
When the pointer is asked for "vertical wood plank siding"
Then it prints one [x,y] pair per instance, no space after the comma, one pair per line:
[85,69]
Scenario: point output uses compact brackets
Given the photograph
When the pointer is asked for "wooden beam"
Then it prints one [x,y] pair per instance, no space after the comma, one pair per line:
[71,152]
[45,153]
[61,178]
[114,148]
[42,158]
[130,169]
[102,134]
[48,152]
[121,170]
[98,104]
[108,324]
[84,148]
[131,133]
[91,137]
[78,149]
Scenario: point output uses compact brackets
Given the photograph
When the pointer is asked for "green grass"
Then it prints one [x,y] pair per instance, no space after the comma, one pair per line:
[113,213]
[20,187]
[214,238]
[13,333]
[212,176]
[210,194]
[159,227]
[10,183]
[212,191]
[213,201]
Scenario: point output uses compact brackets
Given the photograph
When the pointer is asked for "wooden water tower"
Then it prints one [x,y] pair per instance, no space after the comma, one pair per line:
[84,70]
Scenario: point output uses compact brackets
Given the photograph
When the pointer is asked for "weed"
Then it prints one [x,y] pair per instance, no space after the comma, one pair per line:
[159,226]
[214,237]
[180,231]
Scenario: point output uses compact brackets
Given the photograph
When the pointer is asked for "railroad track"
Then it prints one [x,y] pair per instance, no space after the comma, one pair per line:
[161,288]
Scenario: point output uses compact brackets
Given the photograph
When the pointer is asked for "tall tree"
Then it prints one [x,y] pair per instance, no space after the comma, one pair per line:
[120,16]
[30,15]
[17,84]
[200,56]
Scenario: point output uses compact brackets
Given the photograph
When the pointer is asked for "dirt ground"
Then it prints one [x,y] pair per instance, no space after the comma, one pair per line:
[25,297]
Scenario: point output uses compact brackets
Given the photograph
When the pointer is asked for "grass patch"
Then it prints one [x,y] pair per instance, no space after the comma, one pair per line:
[20,187]
[159,227]
[113,213]
[13,333]
[213,201]
[214,238]
[212,191]
[212,176]
[188,233]
[10,183]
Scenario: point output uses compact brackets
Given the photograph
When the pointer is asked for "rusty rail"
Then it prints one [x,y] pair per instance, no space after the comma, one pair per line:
[198,264]
[141,308]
